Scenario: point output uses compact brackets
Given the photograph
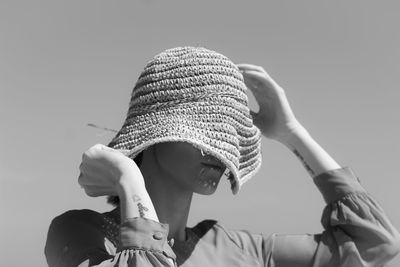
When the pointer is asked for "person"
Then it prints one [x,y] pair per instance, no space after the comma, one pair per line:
[188,125]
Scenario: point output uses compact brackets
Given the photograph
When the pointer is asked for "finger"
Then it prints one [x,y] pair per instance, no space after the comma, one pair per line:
[259,78]
[80,177]
[94,178]
[85,156]
[88,181]
[94,150]
[123,151]
[256,73]
[103,147]
[126,152]
[99,188]
[97,191]
[253,82]
[84,180]
[87,167]
[247,67]
[108,149]
[81,167]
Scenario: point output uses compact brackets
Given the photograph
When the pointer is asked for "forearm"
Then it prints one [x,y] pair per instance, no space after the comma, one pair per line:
[135,202]
[313,157]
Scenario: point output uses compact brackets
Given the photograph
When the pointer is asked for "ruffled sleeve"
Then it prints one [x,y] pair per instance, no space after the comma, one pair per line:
[357,232]
[76,238]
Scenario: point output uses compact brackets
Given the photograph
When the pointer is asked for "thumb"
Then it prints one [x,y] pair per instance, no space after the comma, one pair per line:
[126,152]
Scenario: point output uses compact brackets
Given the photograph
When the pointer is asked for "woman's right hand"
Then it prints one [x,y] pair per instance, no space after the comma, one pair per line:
[107,171]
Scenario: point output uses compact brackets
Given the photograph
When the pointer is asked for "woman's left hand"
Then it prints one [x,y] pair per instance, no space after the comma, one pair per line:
[107,171]
[275,118]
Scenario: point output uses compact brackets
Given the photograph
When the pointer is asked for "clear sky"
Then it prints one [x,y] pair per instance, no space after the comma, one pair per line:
[64,64]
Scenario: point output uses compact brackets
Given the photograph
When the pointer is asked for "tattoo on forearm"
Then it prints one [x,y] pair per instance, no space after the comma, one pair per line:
[308,168]
[141,209]
[140,206]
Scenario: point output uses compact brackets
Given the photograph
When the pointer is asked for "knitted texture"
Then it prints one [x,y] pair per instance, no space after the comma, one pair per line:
[195,95]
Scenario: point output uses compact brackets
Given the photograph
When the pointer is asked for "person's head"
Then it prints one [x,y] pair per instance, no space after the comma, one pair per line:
[197,96]
[182,164]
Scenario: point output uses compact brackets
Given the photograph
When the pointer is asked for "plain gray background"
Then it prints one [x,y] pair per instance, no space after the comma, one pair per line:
[64,64]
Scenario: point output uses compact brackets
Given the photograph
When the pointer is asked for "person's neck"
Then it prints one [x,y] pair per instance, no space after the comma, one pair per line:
[171,202]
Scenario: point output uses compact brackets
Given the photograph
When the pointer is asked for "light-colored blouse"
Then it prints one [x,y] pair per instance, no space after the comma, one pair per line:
[356,233]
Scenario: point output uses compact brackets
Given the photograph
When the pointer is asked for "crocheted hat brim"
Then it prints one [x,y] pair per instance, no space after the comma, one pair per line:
[145,137]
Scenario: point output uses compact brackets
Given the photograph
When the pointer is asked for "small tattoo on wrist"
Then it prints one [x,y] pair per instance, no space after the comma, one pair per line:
[136,198]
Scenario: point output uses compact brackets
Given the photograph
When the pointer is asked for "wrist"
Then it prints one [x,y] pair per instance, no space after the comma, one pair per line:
[128,187]
[130,180]
[314,158]
[293,136]
[135,202]
[127,191]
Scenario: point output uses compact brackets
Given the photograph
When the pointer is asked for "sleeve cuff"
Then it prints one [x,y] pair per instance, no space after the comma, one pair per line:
[145,234]
[336,183]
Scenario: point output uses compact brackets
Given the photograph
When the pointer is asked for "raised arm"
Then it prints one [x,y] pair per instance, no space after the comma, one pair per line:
[313,157]
[77,238]
[357,231]
[106,171]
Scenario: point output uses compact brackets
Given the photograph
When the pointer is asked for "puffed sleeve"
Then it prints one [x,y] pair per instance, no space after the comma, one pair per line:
[357,232]
[76,238]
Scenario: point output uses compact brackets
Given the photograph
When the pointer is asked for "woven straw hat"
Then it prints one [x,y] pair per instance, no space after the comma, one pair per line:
[196,95]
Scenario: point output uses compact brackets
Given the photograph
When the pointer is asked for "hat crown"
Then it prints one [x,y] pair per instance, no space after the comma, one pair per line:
[195,95]
[185,74]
